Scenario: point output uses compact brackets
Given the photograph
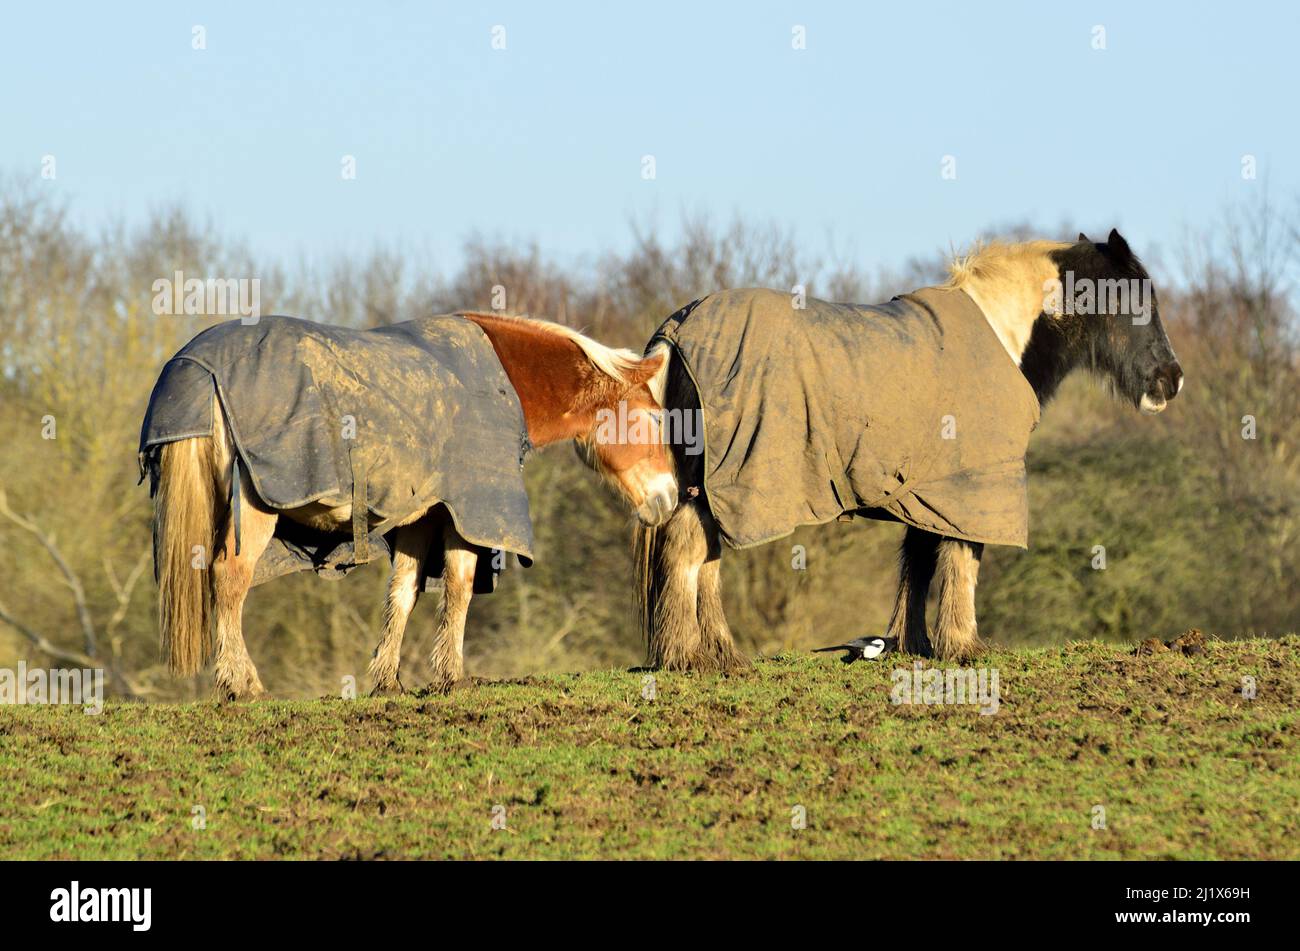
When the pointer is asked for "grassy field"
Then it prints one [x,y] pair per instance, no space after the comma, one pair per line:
[584,766]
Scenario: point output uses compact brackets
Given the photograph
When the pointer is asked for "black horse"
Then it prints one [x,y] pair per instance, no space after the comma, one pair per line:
[814,411]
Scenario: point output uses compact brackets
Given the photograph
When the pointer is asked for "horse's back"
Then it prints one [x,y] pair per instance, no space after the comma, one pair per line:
[813,408]
[398,418]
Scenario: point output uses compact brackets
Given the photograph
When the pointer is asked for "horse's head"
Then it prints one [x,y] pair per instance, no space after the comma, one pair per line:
[627,444]
[1107,317]
[572,387]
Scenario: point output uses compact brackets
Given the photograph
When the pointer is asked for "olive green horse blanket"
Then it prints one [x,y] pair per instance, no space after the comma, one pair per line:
[910,410]
[394,420]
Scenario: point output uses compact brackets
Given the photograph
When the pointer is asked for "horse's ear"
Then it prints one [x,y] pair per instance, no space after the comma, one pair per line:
[645,369]
[1084,237]
[1117,245]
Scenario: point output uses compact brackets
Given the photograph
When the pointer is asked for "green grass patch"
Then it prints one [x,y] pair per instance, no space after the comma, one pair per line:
[583,766]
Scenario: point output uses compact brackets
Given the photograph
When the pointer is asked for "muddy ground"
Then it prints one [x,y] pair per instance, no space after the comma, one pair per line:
[1094,751]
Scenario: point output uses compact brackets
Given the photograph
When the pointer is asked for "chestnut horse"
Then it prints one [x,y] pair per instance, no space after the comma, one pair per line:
[565,383]
[1018,289]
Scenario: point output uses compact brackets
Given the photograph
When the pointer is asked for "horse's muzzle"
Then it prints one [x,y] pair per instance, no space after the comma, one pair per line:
[1167,384]
[1170,379]
[656,509]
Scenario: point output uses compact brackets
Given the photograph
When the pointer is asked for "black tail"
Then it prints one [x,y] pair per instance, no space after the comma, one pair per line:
[648,543]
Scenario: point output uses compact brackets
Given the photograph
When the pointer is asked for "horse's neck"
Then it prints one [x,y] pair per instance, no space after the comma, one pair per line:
[1012,303]
[1012,288]
[549,373]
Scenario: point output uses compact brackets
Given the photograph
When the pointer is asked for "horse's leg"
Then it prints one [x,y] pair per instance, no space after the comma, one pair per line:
[232,576]
[715,635]
[916,565]
[459,562]
[410,547]
[675,638]
[955,635]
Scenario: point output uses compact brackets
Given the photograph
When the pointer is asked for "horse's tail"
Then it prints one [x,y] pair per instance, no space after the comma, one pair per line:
[650,544]
[647,542]
[184,533]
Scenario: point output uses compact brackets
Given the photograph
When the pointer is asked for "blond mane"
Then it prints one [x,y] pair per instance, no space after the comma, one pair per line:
[1008,281]
[995,260]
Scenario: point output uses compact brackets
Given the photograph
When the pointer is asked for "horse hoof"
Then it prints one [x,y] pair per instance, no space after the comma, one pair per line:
[734,663]
[711,662]
[916,650]
[393,689]
[445,685]
[963,655]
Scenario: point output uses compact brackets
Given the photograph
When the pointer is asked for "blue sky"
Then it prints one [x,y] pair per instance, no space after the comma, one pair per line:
[843,140]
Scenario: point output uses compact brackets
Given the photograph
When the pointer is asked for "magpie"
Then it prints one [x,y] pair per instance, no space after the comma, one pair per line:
[862,648]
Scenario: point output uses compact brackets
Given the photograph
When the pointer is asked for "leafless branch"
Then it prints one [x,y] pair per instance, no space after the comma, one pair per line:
[123,682]
[123,592]
[69,576]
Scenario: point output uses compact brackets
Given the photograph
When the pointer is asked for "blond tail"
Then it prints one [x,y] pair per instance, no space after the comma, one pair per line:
[184,532]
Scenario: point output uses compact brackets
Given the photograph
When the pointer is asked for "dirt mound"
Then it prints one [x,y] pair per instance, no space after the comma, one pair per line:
[1189,643]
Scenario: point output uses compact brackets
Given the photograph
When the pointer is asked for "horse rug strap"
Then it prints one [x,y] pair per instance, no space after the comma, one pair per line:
[398,420]
[234,500]
[360,509]
[910,411]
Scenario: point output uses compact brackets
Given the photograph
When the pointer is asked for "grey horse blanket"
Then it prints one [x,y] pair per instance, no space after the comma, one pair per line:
[394,420]
[909,411]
